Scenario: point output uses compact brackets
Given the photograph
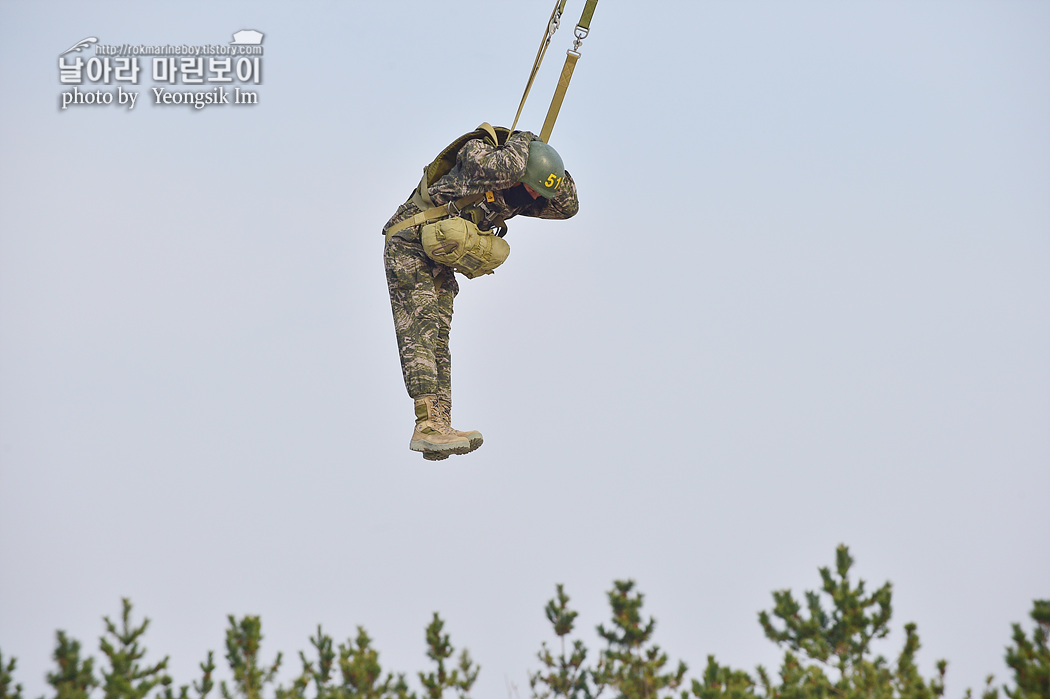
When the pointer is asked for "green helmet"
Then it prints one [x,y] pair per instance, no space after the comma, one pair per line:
[544,170]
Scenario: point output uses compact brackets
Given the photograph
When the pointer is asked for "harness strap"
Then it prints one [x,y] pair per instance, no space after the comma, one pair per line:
[585,18]
[421,197]
[571,56]
[559,94]
[435,213]
[552,26]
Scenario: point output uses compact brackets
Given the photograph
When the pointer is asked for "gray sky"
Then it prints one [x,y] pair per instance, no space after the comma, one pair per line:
[806,301]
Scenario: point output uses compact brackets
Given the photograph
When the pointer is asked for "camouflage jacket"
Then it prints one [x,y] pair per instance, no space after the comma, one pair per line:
[481,167]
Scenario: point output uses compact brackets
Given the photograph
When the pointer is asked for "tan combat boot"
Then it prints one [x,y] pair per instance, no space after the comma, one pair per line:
[432,435]
[444,409]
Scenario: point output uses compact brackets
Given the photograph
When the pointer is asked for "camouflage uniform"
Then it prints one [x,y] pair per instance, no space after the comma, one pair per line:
[422,290]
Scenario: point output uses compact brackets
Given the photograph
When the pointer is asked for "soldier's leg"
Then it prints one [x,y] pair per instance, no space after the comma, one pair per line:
[448,287]
[417,320]
[414,302]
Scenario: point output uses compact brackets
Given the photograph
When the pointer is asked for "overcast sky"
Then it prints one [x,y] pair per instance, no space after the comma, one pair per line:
[806,301]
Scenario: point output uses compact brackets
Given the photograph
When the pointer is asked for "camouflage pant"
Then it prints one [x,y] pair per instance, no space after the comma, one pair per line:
[421,295]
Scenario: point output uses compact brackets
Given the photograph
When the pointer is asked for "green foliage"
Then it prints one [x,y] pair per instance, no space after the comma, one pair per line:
[989,692]
[720,682]
[243,639]
[827,641]
[126,679]
[828,650]
[1030,658]
[439,649]
[74,678]
[321,675]
[566,675]
[630,664]
[361,672]
[839,638]
[359,669]
[7,690]
[206,684]
[202,688]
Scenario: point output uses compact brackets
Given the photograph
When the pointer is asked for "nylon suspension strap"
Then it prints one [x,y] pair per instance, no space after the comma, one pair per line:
[571,56]
[552,26]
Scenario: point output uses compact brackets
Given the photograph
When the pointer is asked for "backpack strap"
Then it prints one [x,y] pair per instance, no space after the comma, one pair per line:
[441,165]
[488,128]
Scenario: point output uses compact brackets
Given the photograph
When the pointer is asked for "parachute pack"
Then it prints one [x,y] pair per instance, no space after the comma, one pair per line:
[447,236]
[440,166]
[446,159]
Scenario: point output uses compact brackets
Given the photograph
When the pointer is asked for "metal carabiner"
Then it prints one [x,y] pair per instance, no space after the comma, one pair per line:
[580,33]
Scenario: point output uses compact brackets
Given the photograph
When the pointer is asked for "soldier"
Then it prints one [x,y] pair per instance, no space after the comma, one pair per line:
[486,185]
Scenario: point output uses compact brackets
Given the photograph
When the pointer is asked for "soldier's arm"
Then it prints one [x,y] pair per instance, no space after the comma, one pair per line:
[492,168]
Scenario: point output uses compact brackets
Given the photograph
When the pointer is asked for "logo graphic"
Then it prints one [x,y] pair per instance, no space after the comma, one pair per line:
[82,44]
[247,37]
[195,76]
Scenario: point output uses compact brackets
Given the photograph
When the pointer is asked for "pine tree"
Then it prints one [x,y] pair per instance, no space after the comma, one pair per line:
[8,690]
[243,639]
[206,684]
[75,678]
[564,676]
[633,667]
[363,675]
[720,682]
[126,679]
[839,640]
[1030,659]
[320,675]
[202,688]
[827,655]
[439,649]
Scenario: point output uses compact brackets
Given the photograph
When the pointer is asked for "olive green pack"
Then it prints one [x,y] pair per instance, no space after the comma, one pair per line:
[443,164]
[457,243]
[446,159]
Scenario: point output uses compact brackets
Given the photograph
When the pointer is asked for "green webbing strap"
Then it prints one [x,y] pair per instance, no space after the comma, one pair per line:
[435,213]
[552,26]
[588,12]
[571,56]
[487,128]
[559,95]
